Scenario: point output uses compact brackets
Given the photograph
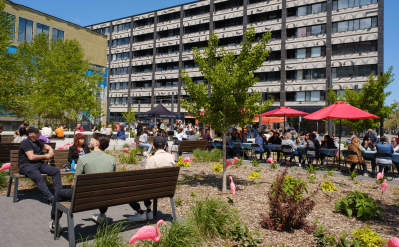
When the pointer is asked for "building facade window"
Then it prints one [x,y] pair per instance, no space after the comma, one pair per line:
[356,47]
[121,27]
[40,28]
[167,83]
[228,4]
[168,33]
[167,66]
[353,25]
[119,85]
[25,29]
[271,96]
[306,52]
[144,22]
[354,71]
[275,35]
[142,84]
[196,28]
[196,11]
[199,45]
[103,30]
[169,17]
[306,31]
[307,9]
[118,42]
[120,71]
[120,56]
[168,50]
[268,76]
[228,23]
[267,16]
[143,53]
[57,34]
[142,68]
[144,37]
[306,74]
[343,4]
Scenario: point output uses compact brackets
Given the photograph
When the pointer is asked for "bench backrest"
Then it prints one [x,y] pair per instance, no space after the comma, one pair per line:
[93,191]
[189,146]
[7,139]
[5,149]
[59,159]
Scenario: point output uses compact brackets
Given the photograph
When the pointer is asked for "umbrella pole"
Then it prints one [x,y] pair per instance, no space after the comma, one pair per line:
[339,146]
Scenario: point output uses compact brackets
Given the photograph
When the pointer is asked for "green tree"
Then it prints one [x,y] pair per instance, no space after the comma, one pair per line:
[230,77]
[392,121]
[9,88]
[129,116]
[371,98]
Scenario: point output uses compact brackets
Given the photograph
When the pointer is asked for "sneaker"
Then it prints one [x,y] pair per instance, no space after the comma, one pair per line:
[150,215]
[98,218]
[60,229]
[138,217]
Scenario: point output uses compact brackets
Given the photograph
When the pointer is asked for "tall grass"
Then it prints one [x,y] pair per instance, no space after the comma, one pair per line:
[3,179]
[107,236]
[208,156]
[212,216]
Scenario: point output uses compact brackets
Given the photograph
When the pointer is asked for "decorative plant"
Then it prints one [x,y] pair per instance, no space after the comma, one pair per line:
[240,160]
[255,162]
[327,186]
[288,212]
[217,168]
[322,239]
[312,178]
[289,184]
[181,163]
[352,175]
[254,175]
[359,204]
[241,234]
[130,158]
[367,237]
[273,165]
[311,169]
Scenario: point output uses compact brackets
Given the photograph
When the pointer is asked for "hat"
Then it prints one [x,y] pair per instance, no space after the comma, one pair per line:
[159,140]
[31,130]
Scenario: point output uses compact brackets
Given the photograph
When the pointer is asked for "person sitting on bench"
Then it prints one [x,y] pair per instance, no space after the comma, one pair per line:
[159,159]
[94,162]
[30,160]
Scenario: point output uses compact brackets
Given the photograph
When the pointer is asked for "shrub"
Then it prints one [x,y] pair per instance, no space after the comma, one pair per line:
[255,162]
[3,179]
[352,175]
[132,134]
[107,236]
[126,145]
[181,163]
[288,187]
[321,238]
[367,237]
[217,168]
[178,234]
[241,234]
[240,161]
[254,175]
[130,158]
[359,204]
[273,165]
[311,169]
[216,155]
[328,186]
[208,156]
[312,178]
[287,212]
[212,216]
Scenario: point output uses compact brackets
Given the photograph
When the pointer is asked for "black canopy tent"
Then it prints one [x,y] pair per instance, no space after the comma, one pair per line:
[158,112]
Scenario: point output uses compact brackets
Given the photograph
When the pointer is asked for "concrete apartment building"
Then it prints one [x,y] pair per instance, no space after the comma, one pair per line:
[30,22]
[312,41]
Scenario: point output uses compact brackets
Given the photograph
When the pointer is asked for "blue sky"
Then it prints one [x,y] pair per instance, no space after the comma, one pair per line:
[87,12]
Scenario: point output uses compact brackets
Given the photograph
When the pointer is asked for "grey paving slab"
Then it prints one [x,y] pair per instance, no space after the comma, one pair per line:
[25,223]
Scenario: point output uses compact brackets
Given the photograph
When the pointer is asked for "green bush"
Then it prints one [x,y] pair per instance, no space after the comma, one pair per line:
[311,169]
[132,134]
[3,179]
[130,158]
[367,237]
[322,239]
[241,234]
[359,204]
[181,163]
[212,216]
[288,187]
[208,156]
[126,145]
[107,236]
[217,168]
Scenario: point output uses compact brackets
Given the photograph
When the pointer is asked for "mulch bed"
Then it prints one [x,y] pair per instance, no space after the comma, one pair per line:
[251,200]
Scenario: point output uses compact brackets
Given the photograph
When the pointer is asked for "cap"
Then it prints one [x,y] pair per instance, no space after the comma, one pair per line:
[159,140]
[32,130]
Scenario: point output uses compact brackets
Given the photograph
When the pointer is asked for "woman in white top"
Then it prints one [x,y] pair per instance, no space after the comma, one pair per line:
[287,140]
[22,136]
[395,142]
[46,131]
[180,134]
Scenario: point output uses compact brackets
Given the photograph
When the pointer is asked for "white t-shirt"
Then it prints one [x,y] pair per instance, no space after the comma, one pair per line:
[46,131]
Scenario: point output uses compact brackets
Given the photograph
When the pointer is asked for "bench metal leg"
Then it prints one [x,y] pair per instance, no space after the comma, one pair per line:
[172,204]
[56,223]
[9,187]
[71,231]
[155,208]
[15,196]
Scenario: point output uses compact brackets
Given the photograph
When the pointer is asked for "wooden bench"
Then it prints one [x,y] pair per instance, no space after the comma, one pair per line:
[99,190]
[59,159]
[6,148]
[7,139]
[150,140]
[190,146]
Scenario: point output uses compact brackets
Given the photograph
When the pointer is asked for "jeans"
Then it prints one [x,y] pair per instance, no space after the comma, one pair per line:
[147,146]
[35,171]
[136,205]
[65,195]
[296,153]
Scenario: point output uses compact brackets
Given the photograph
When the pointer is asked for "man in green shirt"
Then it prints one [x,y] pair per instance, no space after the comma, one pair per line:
[95,162]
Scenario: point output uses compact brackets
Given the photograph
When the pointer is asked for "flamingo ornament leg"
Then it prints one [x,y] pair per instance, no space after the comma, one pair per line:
[147,232]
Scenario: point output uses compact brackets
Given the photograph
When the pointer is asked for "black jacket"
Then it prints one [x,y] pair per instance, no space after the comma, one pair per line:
[139,128]
[75,156]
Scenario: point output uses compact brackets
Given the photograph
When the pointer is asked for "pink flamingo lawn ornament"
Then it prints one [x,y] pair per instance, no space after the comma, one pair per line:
[228,163]
[147,232]
[187,159]
[133,143]
[232,186]
[67,144]
[393,242]
[269,160]
[126,150]
[61,147]
[235,159]
[384,186]
[380,175]
[5,166]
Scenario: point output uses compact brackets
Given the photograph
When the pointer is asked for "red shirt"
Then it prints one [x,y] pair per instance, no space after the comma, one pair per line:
[80,129]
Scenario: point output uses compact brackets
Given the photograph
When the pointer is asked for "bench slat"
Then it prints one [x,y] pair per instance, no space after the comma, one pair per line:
[124,173]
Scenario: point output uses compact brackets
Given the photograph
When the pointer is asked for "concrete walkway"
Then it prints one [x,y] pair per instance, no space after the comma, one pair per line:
[26,223]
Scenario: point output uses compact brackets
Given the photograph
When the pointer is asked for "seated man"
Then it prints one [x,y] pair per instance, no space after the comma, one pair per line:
[383,147]
[30,160]
[275,139]
[261,140]
[94,162]
[159,159]
[289,142]
[207,137]
[192,137]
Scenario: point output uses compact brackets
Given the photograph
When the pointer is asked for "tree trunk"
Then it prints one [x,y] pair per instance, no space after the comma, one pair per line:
[224,163]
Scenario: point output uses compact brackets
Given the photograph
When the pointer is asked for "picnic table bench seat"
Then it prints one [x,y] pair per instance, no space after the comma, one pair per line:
[190,146]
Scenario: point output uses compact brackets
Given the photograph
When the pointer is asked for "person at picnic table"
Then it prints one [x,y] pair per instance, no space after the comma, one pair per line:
[354,159]
[143,141]
[367,145]
[290,129]
[108,131]
[59,132]
[94,129]
[192,137]
[276,140]
[121,133]
[43,138]
[394,142]
[79,128]
[300,142]
[261,140]
[78,149]
[196,133]
[180,134]
[151,125]
[384,147]
[312,142]
[287,140]
[95,162]
[103,129]
[22,136]
[30,160]
[207,137]
[372,134]
[158,160]
[46,131]
[328,142]
[243,137]
[162,134]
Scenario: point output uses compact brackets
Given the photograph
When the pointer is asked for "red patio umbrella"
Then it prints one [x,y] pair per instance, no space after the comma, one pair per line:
[283,111]
[340,110]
